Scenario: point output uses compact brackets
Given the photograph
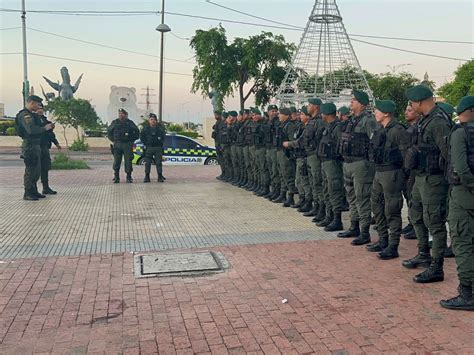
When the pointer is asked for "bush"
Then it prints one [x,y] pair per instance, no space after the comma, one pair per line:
[10,131]
[4,125]
[189,134]
[79,145]
[63,162]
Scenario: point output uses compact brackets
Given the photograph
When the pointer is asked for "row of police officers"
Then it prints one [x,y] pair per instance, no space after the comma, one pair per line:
[330,157]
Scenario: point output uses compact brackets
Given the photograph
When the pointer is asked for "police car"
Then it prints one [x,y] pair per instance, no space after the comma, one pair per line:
[179,150]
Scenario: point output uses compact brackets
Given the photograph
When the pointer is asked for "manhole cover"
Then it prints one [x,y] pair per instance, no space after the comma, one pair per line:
[179,264]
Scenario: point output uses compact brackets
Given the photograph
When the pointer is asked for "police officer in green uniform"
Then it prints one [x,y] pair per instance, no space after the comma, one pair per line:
[286,132]
[233,150]
[29,128]
[429,195]
[215,135]
[237,138]
[311,137]
[460,174]
[262,176]
[275,174]
[226,144]
[253,170]
[269,149]
[343,114]
[241,144]
[387,148]
[412,117]
[153,137]
[123,132]
[46,141]
[331,163]
[247,131]
[301,178]
[358,170]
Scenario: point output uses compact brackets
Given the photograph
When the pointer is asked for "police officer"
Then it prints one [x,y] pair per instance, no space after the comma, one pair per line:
[311,138]
[286,132]
[215,135]
[153,136]
[343,113]
[29,128]
[240,150]
[234,150]
[273,165]
[331,163]
[123,132]
[225,144]
[46,141]
[460,174]
[429,195]
[387,148]
[358,170]
[412,117]
[263,178]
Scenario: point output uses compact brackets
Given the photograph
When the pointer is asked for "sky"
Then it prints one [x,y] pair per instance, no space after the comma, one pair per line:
[441,20]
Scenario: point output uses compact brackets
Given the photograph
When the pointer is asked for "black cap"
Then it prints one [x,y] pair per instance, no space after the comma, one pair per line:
[34,98]
[152,115]
[121,110]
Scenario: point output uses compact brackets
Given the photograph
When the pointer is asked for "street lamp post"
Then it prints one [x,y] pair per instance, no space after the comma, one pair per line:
[26,85]
[162,28]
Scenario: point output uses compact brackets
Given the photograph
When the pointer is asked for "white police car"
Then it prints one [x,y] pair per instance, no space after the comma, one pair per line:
[179,150]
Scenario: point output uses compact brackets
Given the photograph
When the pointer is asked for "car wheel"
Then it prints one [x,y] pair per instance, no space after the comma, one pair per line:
[211,161]
[141,161]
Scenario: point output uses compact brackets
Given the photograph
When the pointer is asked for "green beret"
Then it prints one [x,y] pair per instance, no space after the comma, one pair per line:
[386,106]
[418,93]
[272,107]
[361,96]
[466,103]
[293,109]
[328,109]
[344,110]
[218,112]
[315,101]
[225,114]
[232,113]
[446,107]
[256,111]
[304,110]
[34,98]
[285,111]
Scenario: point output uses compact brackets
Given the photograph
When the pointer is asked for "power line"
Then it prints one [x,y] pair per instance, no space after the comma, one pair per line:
[96,63]
[106,46]
[412,39]
[9,28]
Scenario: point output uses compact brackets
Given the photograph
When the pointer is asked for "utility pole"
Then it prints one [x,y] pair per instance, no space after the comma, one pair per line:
[162,28]
[147,102]
[26,84]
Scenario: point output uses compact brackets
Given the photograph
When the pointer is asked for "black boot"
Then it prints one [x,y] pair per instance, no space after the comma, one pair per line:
[313,211]
[345,206]
[336,223]
[289,200]
[423,259]
[408,232]
[274,195]
[434,273]
[464,301]
[146,178]
[326,221]
[352,232]
[390,252]
[280,198]
[448,252]
[48,190]
[129,178]
[321,213]
[363,238]
[268,194]
[116,178]
[29,196]
[379,246]
[301,202]
[263,192]
[160,178]
[308,205]
[36,193]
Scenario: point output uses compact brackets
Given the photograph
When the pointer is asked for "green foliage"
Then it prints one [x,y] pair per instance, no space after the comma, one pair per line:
[4,125]
[462,85]
[10,131]
[63,162]
[392,87]
[74,113]
[175,127]
[79,145]
[259,61]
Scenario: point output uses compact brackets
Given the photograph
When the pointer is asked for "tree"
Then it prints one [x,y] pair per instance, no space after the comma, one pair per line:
[259,61]
[74,113]
[392,87]
[462,85]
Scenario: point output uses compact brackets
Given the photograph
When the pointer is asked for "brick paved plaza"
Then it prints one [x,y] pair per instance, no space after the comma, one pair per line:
[68,286]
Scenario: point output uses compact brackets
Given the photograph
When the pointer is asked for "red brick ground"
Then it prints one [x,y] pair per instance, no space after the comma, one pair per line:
[341,299]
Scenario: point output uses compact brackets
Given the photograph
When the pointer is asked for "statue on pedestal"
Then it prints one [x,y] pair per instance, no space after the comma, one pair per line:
[65,90]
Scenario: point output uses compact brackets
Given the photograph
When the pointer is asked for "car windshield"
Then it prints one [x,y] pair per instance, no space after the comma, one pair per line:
[185,143]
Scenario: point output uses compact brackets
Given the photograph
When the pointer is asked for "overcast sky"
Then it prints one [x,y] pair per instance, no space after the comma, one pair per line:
[444,20]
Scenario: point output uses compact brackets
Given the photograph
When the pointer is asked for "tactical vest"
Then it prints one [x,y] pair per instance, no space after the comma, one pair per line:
[451,176]
[257,134]
[382,154]
[124,132]
[225,135]
[280,135]
[240,134]
[268,133]
[276,126]
[20,130]
[299,152]
[353,144]
[309,136]
[328,147]
[154,136]
[248,133]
